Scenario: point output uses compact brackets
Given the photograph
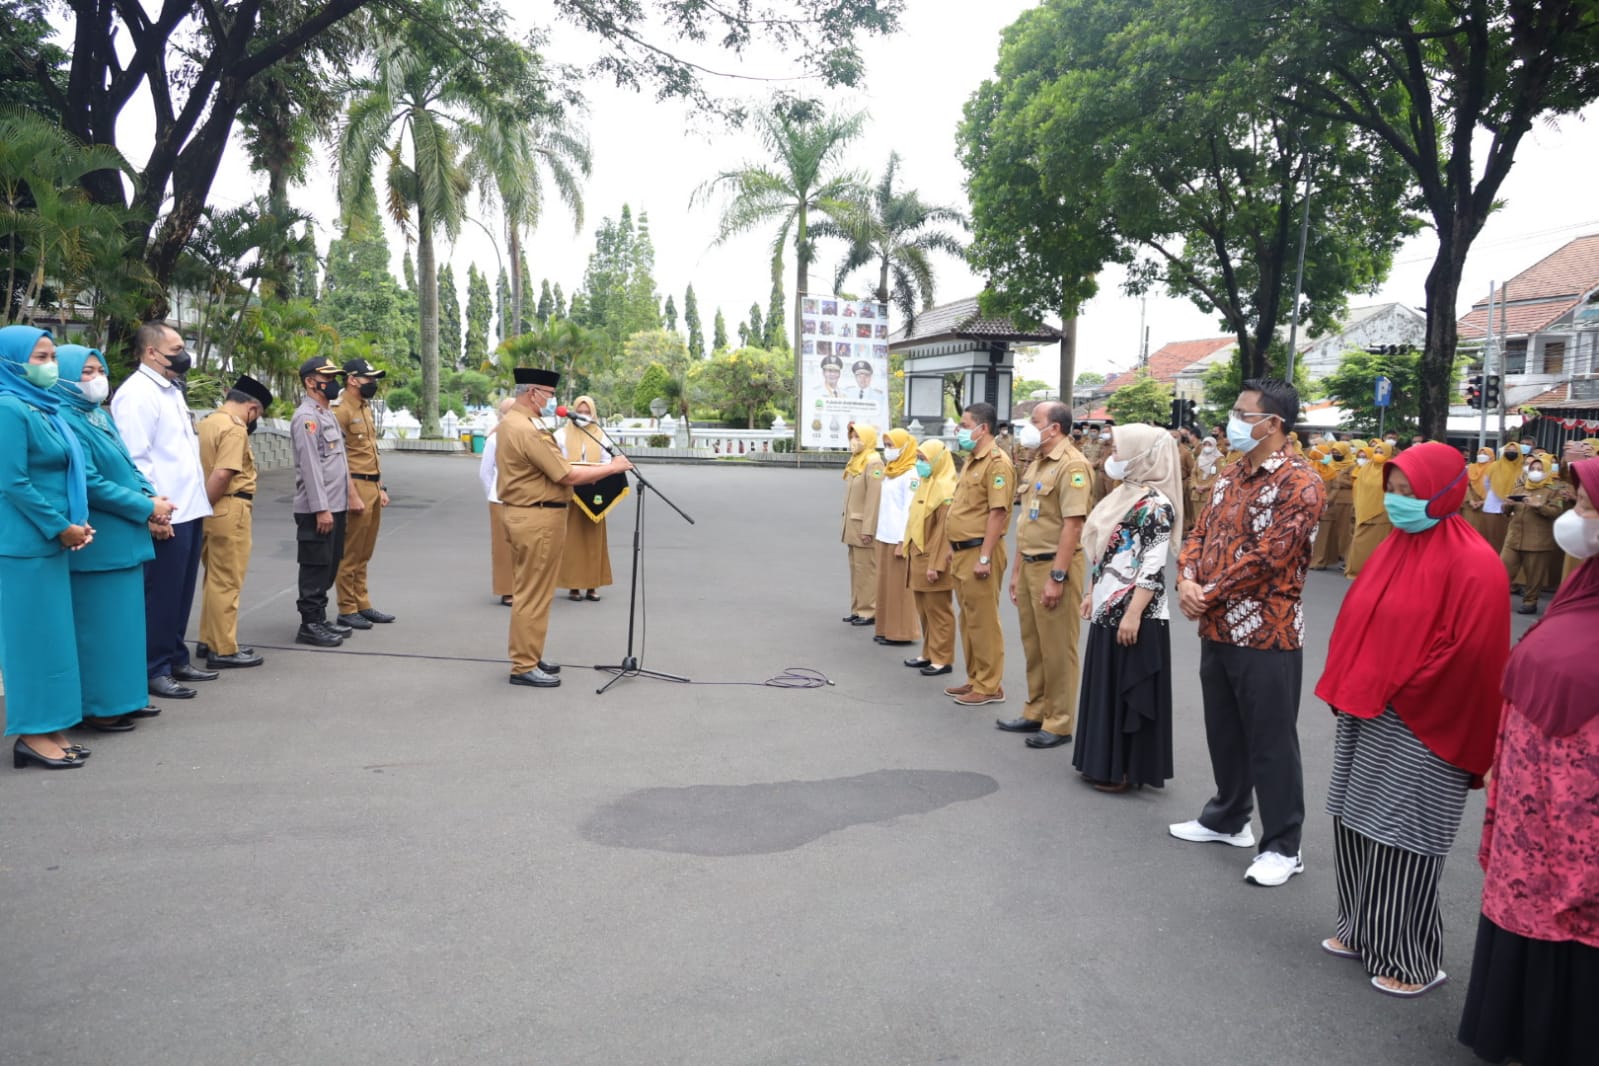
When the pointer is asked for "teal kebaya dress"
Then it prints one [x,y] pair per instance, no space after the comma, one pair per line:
[43,490]
[108,575]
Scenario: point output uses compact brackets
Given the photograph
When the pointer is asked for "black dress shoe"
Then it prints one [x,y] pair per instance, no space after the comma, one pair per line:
[187,672]
[237,661]
[536,678]
[372,614]
[549,668]
[22,755]
[116,724]
[935,671]
[1018,725]
[354,621]
[1046,739]
[317,635]
[917,664]
[893,643]
[859,621]
[850,618]
[338,629]
[145,712]
[169,689]
[1527,608]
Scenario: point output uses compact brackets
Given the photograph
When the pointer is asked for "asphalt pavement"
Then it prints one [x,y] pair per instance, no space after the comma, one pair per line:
[386,854]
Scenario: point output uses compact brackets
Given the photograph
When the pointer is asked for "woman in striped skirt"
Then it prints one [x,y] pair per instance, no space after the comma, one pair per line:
[1412,674]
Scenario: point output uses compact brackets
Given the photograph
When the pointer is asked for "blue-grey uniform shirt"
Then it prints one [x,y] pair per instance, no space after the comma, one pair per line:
[321,473]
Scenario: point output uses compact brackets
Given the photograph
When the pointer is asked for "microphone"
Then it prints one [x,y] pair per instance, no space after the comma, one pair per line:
[575,416]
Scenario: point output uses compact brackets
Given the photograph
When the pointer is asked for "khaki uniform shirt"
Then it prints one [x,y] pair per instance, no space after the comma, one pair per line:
[225,444]
[861,496]
[360,433]
[321,475]
[530,463]
[1058,486]
[1532,521]
[986,481]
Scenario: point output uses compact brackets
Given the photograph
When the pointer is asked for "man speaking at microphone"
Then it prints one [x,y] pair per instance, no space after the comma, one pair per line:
[535,491]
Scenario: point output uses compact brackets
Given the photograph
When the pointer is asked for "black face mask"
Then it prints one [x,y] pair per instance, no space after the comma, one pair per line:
[250,426]
[332,388]
[179,362]
[369,389]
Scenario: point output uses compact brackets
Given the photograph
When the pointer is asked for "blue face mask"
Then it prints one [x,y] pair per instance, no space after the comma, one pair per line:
[1240,435]
[964,441]
[1408,513]
[924,468]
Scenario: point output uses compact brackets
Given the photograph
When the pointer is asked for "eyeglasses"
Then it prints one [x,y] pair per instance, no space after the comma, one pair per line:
[1251,417]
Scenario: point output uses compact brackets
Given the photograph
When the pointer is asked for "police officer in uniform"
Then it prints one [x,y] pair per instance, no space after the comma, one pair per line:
[535,488]
[1047,584]
[229,467]
[321,497]
[354,412]
[978,517]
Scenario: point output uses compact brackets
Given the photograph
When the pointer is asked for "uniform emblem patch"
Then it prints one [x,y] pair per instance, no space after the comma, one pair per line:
[999,482]
[877,473]
[1078,480]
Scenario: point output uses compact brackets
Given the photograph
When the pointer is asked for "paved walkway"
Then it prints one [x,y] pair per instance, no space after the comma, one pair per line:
[386,854]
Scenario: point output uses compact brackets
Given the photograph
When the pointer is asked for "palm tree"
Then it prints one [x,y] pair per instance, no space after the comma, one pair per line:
[411,110]
[508,160]
[889,230]
[806,145]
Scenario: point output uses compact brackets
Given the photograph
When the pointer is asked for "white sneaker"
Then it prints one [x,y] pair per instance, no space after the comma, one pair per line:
[1273,868]
[1244,838]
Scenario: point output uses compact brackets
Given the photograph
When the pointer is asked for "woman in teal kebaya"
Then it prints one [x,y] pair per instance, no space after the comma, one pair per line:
[44,513]
[108,575]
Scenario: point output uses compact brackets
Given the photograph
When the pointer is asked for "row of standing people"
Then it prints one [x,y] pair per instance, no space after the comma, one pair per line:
[105,520]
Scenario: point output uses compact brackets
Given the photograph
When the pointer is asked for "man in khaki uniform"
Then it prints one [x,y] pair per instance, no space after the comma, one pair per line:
[535,487]
[978,517]
[354,412]
[1047,584]
[229,468]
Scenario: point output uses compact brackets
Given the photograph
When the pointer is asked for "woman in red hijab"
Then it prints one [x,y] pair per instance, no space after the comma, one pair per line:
[1535,974]
[1412,675]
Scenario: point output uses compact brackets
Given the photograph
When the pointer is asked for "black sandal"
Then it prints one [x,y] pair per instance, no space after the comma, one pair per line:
[592,597]
[574,595]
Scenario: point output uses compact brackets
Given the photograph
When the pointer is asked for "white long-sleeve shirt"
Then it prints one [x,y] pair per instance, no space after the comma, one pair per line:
[893,511]
[153,418]
[488,471]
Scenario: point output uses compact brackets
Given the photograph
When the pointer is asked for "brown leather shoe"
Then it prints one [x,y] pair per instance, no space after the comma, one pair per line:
[977,699]
[958,690]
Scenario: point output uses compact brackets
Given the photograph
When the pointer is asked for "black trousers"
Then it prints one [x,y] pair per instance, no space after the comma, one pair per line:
[169,581]
[319,556]
[1252,730]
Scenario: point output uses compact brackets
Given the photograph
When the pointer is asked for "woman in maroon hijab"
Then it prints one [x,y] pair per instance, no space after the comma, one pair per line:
[1534,993]
[1412,675]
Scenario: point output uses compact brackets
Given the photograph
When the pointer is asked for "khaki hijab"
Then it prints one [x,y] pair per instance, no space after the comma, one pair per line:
[1152,463]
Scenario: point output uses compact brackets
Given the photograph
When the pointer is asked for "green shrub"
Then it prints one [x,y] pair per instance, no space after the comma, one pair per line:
[659,440]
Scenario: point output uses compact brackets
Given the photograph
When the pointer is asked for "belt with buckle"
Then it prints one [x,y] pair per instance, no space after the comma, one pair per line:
[963,545]
[367,477]
[242,495]
[1041,557]
[549,503]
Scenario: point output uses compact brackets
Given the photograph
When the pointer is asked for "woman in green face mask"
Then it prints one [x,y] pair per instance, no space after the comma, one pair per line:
[927,538]
[44,513]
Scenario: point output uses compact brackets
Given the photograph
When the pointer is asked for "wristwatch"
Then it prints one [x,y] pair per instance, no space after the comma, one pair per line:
[1058,576]
[982,560]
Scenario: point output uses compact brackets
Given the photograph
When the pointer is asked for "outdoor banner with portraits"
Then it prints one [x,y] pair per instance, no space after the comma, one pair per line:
[843,368]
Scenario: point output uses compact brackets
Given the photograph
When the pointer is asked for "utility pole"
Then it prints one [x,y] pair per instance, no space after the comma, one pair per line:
[1299,278]
[1487,368]
[1504,385]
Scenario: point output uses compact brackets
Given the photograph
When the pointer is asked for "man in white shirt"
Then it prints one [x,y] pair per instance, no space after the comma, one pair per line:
[152,415]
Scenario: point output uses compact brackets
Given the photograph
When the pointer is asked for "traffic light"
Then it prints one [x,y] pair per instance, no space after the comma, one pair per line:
[1390,349]
[1176,420]
[1190,413]
[1474,392]
[1490,392]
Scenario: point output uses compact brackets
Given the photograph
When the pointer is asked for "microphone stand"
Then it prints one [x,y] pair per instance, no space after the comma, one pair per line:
[630,666]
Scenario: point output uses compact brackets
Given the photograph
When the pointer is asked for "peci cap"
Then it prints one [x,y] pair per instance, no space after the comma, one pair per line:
[319,365]
[362,368]
[832,360]
[254,389]
[532,375]
[861,364]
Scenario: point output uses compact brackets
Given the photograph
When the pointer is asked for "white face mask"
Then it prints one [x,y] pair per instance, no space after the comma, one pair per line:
[891,454]
[1104,436]
[96,389]
[1116,469]
[1577,536]
[1362,461]
[1535,476]
[1485,458]
[1029,436]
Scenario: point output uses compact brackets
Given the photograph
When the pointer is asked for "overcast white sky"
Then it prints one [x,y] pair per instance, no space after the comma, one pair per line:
[653,155]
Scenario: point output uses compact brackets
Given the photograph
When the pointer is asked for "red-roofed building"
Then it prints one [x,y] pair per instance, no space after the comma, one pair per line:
[1179,364]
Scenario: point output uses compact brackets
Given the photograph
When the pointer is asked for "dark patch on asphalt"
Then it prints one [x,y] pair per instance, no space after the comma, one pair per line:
[759,819]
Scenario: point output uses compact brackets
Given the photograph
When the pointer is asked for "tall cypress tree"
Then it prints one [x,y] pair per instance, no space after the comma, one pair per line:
[449,318]
[671,314]
[479,315]
[691,320]
[719,333]
[546,308]
[776,335]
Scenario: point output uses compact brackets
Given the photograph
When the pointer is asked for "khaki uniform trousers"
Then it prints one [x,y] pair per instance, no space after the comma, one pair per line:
[936,610]
[982,641]
[1049,640]
[225,551]
[862,581]
[360,537]
[1535,572]
[499,552]
[537,535]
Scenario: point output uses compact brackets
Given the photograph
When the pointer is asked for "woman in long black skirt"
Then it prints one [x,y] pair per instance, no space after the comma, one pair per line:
[1124,730]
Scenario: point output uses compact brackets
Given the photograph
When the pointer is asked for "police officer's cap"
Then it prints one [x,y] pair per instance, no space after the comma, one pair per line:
[861,364]
[254,389]
[362,368]
[832,360]
[319,365]
[532,375]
